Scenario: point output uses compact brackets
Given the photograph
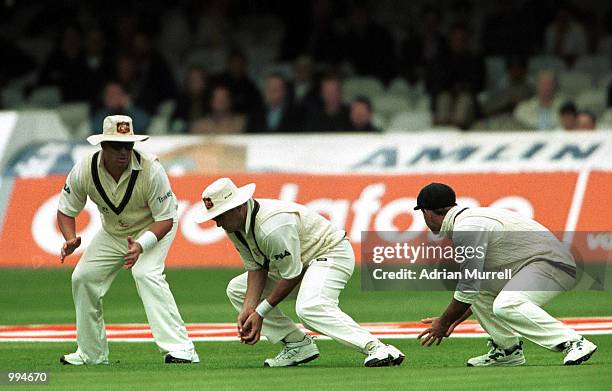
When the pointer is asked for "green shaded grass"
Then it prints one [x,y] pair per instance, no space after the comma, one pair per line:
[43,296]
[232,366]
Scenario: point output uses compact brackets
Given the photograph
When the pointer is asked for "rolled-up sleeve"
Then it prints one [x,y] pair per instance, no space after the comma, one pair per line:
[73,196]
[282,246]
[161,199]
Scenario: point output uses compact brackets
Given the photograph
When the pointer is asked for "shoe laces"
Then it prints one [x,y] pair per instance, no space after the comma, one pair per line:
[573,344]
[291,348]
[494,347]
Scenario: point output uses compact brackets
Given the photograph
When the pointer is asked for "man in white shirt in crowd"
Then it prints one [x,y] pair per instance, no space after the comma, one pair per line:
[289,251]
[139,221]
[541,268]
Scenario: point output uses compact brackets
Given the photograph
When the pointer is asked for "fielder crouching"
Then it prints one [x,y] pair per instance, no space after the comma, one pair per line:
[542,267]
[289,251]
[139,221]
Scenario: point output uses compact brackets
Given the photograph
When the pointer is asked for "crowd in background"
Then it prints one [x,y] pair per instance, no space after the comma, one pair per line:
[274,66]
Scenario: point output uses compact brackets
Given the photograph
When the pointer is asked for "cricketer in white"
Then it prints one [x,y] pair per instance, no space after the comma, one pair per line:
[133,195]
[542,267]
[289,251]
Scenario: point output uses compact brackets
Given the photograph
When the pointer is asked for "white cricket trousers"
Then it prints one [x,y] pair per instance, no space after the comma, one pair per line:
[517,312]
[92,278]
[316,303]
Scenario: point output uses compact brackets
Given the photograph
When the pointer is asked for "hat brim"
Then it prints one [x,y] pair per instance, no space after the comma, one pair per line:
[98,138]
[243,194]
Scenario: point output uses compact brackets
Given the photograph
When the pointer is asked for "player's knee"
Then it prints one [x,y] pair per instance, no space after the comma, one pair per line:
[81,277]
[233,290]
[307,309]
[143,275]
[505,303]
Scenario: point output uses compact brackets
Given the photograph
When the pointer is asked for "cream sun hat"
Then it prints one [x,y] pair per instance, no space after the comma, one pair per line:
[221,196]
[116,128]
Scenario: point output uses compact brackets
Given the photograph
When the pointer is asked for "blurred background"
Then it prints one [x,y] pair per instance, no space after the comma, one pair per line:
[346,106]
[226,66]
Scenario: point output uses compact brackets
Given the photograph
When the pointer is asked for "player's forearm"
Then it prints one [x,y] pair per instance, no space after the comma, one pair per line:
[161,228]
[282,290]
[455,311]
[256,281]
[67,225]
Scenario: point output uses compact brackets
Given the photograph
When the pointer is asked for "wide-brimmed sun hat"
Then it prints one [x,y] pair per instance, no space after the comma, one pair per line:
[116,128]
[221,196]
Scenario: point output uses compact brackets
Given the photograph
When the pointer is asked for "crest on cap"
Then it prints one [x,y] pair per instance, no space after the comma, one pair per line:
[123,127]
[208,202]
[221,196]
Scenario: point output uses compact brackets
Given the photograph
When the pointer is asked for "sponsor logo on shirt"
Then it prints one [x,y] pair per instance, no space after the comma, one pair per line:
[66,188]
[280,256]
[165,196]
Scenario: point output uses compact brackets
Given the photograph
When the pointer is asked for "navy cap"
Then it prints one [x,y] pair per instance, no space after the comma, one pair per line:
[436,196]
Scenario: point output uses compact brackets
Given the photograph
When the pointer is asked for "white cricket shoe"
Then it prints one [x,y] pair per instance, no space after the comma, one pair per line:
[578,352]
[182,357]
[76,359]
[382,355]
[499,357]
[295,353]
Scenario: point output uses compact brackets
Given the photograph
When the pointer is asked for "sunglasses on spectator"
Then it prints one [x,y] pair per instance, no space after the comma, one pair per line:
[119,145]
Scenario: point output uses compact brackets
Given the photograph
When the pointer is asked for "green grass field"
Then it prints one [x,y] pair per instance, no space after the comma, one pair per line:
[43,296]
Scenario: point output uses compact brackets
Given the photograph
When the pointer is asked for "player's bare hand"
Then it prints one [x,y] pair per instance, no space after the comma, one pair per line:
[251,330]
[450,329]
[134,251]
[69,247]
[433,334]
[242,317]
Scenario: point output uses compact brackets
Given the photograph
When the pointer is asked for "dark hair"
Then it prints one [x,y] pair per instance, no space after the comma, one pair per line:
[568,108]
[363,99]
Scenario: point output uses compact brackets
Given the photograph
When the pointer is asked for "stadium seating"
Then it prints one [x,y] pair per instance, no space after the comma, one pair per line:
[388,105]
[368,86]
[592,100]
[574,82]
[410,121]
[45,97]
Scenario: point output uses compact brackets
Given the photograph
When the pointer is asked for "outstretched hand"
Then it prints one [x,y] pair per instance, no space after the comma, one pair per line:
[69,247]
[450,329]
[435,333]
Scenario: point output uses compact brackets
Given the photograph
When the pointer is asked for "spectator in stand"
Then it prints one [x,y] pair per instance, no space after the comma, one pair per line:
[331,115]
[504,100]
[568,116]
[118,102]
[304,91]
[370,48]
[221,118]
[278,114]
[541,111]
[324,43]
[586,121]
[98,60]
[66,67]
[192,103]
[156,83]
[245,94]
[420,50]
[361,115]
[461,76]
[565,37]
